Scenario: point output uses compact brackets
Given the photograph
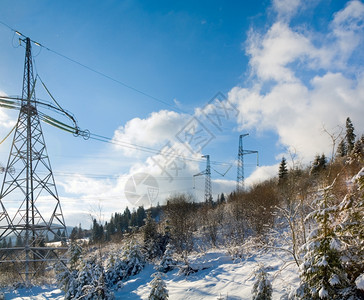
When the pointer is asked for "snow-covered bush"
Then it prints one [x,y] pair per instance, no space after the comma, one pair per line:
[262,288]
[159,289]
[185,268]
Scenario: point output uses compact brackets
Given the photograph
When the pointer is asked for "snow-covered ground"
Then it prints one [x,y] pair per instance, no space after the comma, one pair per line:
[218,275]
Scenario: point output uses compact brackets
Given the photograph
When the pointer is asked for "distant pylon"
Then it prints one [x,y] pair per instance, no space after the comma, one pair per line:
[208,194]
[30,210]
[240,174]
[207,173]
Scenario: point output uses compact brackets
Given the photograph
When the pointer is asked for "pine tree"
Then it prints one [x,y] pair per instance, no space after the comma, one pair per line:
[150,228]
[283,171]
[262,288]
[222,198]
[73,235]
[322,273]
[358,150]
[97,232]
[75,253]
[342,149]
[115,270]
[67,278]
[350,228]
[167,262]
[133,259]
[323,161]
[350,135]
[19,241]
[159,289]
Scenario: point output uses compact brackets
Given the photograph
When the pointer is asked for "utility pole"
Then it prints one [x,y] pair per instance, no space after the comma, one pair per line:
[29,185]
[240,174]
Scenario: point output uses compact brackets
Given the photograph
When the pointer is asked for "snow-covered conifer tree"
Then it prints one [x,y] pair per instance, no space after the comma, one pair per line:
[159,289]
[350,230]
[115,270]
[167,263]
[67,276]
[322,273]
[133,259]
[262,288]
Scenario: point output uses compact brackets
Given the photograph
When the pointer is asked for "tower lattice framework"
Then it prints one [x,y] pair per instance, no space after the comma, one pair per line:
[208,192]
[240,173]
[30,210]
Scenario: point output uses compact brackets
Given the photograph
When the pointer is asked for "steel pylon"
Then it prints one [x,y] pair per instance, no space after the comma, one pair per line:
[240,172]
[208,193]
[30,209]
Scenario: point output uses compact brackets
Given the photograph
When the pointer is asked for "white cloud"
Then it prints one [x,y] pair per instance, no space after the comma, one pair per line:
[286,8]
[271,54]
[308,93]
[262,173]
[155,130]
[348,28]
[5,120]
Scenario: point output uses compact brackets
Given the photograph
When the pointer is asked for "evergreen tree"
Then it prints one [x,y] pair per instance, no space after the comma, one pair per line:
[74,233]
[167,262]
[350,228]
[323,161]
[341,149]
[74,253]
[97,232]
[322,272]
[67,278]
[115,270]
[150,228]
[350,135]
[262,288]
[358,150]
[222,198]
[140,216]
[319,164]
[283,171]
[19,241]
[133,219]
[159,289]
[133,259]
[79,232]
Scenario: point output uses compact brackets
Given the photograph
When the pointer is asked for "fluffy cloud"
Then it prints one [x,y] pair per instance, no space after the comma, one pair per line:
[152,131]
[348,27]
[299,102]
[286,8]
[262,173]
[5,121]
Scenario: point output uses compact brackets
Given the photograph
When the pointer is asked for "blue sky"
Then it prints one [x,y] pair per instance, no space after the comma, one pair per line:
[290,68]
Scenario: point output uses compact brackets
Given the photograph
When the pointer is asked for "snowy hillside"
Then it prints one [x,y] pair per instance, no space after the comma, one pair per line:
[219,275]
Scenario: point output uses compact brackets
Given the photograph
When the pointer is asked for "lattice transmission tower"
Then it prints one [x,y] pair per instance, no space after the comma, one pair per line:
[207,173]
[240,174]
[30,209]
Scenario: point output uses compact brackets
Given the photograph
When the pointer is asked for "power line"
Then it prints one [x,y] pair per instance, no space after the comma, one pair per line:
[103,138]
[95,71]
